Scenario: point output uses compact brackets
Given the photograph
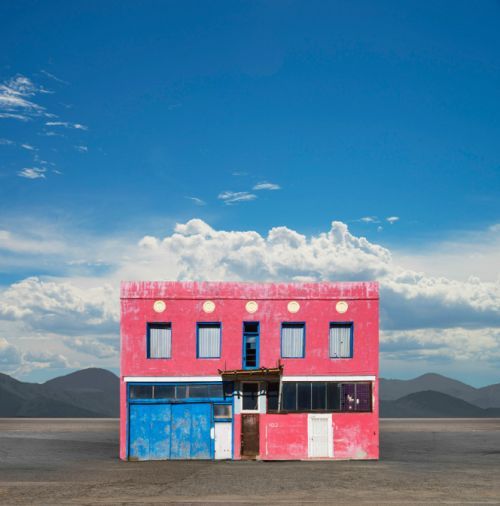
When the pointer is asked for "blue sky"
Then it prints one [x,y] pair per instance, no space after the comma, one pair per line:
[119,120]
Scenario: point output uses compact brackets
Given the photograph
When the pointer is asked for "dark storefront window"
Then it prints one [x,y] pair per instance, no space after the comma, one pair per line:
[181,392]
[320,396]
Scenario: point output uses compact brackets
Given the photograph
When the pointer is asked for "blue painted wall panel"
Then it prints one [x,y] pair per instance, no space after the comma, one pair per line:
[150,431]
[201,420]
[191,431]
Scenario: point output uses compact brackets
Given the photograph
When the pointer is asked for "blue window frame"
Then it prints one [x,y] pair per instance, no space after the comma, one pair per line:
[341,339]
[208,340]
[293,340]
[159,340]
[251,345]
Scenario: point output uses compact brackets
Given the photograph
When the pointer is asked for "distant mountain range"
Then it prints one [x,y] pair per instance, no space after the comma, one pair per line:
[88,393]
[436,396]
[95,393]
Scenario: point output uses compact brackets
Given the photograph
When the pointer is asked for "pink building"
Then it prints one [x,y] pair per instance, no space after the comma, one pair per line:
[249,370]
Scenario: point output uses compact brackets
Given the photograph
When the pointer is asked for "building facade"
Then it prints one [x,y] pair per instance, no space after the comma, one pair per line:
[270,371]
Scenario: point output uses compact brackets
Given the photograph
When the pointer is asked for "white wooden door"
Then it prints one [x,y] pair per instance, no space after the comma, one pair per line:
[320,435]
[223,440]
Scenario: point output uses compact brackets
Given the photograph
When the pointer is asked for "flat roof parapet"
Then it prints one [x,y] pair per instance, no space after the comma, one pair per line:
[248,291]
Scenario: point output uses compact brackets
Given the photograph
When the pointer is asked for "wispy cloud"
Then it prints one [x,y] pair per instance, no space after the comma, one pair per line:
[67,124]
[9,115]
[369,219]
[197,201]
[266,186]
[32,173]
[19,100]
[238,173]
[392,219]
[52,76]
[229,197]
[16,100]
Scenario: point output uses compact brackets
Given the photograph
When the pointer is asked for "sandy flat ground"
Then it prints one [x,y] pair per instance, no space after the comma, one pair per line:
[48,461]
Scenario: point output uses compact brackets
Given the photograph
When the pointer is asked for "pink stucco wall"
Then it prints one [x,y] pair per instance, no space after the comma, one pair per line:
[317,308]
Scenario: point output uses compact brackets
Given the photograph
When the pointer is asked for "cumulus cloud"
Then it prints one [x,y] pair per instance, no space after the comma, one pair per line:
[229,197]
[411,299]
[10,356]
[60,306]
[422,315]
[93,346]
[266,186]
[451,344]
[15,361]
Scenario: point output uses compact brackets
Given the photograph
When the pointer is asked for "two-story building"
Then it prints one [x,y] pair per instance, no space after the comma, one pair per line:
[270,371]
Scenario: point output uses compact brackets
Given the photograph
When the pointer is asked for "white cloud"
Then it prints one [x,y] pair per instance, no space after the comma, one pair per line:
[266,186]
[392,219]
[46,359]
[61,307]
[197,201]
[82,149]
[32,173]
[229,197]
[29,147]
[66,124]
[93,346]
[421,314]
[52,76]
[10,356]
[369,219]
[15,361]
[16,101]
[9,115]
[450,344]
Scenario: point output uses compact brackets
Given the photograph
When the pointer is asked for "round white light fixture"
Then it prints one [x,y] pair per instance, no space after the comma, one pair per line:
[159,306]
[341,306]
[251,306]
[293,306]
[209,306]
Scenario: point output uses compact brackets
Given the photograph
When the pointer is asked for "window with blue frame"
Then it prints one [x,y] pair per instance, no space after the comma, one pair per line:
[186,391]
[341,340]
[293,340]
[326,397]
[208,340]
[159,340]
[250,345]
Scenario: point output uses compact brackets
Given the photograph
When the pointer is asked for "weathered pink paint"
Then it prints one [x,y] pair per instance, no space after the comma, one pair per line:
[282,436]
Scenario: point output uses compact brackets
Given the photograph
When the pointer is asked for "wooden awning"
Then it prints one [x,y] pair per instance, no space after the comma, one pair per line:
[261,373]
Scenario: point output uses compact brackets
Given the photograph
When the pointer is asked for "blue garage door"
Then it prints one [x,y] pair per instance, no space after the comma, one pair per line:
[191,431]
[150,431]
[170,431]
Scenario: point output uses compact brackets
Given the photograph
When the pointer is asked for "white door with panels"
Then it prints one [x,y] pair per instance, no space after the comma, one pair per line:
[223,440]
[320,436]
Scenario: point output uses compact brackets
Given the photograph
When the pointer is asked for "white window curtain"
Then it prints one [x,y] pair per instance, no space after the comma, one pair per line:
[160,341]
[292,341]
[340,341]
[209,341]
